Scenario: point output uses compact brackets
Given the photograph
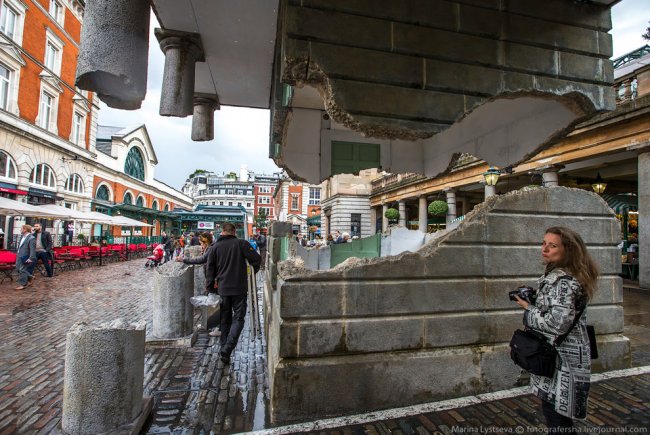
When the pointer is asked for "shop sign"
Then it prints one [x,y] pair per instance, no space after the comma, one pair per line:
[204,225]
[126,233]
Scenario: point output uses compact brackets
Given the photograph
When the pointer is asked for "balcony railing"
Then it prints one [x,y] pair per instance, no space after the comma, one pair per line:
[391,181]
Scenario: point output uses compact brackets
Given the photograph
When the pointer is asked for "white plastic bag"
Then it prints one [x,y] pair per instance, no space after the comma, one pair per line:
[211,300]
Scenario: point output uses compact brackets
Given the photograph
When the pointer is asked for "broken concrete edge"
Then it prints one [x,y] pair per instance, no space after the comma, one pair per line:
[172,269]
[187,341]
[294,267]
[117,324]
[133,428]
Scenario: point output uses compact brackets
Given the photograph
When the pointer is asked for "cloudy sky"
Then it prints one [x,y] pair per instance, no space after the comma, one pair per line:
[241,135]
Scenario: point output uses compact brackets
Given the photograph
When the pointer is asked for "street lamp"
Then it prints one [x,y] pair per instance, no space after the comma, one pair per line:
[492,176]
[599,186]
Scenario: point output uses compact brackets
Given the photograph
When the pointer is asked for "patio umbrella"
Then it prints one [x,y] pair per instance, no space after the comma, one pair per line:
[71,214]
[128,222]
[18,208]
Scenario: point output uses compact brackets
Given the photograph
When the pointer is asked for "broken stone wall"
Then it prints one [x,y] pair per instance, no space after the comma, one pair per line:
[434,324]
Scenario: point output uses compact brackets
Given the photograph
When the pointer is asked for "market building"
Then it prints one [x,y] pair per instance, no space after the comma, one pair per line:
[124,183]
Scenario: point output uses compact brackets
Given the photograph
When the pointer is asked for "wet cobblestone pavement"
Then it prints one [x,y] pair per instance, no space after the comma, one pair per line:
[191,388]
[194,393]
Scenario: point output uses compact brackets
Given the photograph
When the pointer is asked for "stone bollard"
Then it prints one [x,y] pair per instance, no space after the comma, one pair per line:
[103,381]
[173,286]
[199,269]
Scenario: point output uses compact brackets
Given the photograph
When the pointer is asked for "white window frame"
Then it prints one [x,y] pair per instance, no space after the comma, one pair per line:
[13,61]
[144,200]
[77,184]
[11,163]
[295,197]
[52,40]
[264,189]
[53,90]
[312,197]
[57,11]
[39,183]
[264,200]
[78,131]
[5,87]
[19,9]
[46,109]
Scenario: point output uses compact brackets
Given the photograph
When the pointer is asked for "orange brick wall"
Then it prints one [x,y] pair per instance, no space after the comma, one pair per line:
[34,40]
[292,190]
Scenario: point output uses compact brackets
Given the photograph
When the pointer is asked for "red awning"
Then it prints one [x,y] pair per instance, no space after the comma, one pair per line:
[16,191]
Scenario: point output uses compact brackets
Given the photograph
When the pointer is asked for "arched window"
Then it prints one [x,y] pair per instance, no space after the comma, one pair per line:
[140,201]
[43,175]
[166,207]
[128,198]
[103,193]
[154,205]
[7,166]
[74,184]
[134,165]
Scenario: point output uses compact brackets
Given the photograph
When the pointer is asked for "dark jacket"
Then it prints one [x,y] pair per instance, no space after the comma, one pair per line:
[261,241]
[231,254]
[207,259]
[46,240]
[194,241]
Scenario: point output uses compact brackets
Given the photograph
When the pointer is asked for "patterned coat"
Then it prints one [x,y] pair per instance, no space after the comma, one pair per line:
[559,299]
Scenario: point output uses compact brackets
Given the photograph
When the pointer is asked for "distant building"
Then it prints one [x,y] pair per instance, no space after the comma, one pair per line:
[248,190]
[295,202]
[264,189]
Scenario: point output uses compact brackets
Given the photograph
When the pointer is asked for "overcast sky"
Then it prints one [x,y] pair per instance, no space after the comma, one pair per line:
[241,135]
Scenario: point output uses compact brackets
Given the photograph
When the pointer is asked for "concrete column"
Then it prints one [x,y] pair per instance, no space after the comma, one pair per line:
[422,214]
[199,274]
[384,219]
[644,218]
[373,220]
[182,51]
[550,177]
[173,286]
[114,51]
[402,213]
[103,381]
[490,191]
[451,204]
[203,118]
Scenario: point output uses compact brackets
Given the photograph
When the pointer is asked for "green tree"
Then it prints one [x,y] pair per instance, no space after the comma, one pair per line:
[646,35]
[261,219]
[197,172]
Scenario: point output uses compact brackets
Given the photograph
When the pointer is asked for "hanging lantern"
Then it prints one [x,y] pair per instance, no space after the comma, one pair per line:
[599,186]
[492,176]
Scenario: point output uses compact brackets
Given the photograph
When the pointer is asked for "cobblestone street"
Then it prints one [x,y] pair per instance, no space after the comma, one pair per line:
[190,387]
[194,393]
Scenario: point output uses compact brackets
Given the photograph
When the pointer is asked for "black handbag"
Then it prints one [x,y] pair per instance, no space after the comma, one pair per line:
[531,351]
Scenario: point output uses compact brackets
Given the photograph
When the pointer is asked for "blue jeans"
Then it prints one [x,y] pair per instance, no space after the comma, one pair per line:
[44,256]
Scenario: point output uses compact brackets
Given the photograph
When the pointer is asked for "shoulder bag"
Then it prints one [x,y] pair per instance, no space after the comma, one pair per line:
[530,350]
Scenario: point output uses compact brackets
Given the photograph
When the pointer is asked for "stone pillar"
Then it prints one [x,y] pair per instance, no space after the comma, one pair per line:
[373,220]
[199,269]
[644,218]
[423,214]
[451,204]
[182,51]
[103,381]
[402,213]
[490,191]
[550,177]
[384,219]
[173,286]
[203,118]
[114,51]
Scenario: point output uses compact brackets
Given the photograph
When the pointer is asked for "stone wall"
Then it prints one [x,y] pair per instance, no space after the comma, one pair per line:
[433,324]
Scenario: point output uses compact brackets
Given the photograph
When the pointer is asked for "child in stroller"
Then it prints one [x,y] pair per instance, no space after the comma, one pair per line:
[157,256]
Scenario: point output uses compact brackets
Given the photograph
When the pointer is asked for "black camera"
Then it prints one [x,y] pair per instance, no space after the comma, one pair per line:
[524,292]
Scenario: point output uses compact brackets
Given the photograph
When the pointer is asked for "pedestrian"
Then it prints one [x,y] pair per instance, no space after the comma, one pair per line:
[44,248]
[207,257]
[195,239]
[70,232]
[565,288]
[261,244]
[168,243]
[230,258]
[337,238]
[25,257]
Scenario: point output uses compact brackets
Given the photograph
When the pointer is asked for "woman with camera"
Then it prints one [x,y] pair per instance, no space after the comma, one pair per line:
[568,283]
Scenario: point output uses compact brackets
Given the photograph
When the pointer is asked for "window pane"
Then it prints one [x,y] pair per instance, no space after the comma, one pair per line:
[4,164]
[50,55]
[4,86]
[8,21]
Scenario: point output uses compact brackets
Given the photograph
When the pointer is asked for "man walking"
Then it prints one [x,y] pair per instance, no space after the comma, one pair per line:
[43,248]
[261,243]
[25,257]
[230,255]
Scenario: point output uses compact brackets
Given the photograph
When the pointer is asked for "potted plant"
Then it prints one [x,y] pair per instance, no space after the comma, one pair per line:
[392,214]
[81,238]
[438,207]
